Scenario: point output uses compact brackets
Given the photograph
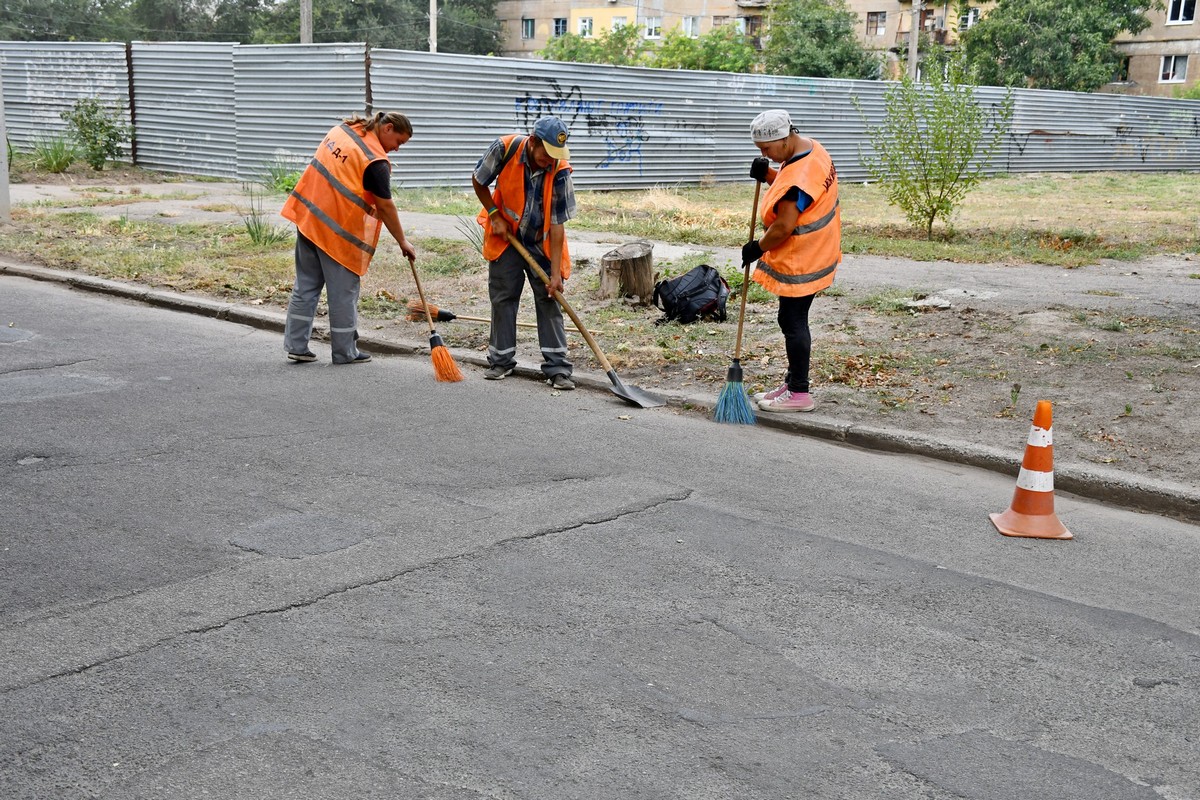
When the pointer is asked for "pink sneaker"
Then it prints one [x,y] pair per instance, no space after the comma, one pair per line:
[789,402]
[771,395]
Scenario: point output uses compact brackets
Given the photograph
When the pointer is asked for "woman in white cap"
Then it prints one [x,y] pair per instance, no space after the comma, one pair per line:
[799,254]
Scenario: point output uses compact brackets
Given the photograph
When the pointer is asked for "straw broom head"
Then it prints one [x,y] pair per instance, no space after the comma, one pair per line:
[445,369]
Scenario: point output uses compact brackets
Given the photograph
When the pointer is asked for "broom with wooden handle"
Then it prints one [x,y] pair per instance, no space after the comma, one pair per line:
[732,404]
[417,310]
[444,367]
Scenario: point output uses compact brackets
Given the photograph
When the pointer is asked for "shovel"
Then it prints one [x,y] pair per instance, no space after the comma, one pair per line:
[632,394]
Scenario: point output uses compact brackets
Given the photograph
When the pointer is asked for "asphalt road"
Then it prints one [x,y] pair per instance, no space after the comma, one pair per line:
[226,575]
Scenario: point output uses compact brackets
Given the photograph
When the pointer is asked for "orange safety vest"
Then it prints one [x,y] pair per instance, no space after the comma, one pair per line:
[330,205]
[805,262]
[509,197]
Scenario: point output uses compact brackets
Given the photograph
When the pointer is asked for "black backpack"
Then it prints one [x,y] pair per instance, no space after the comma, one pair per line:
[699,293]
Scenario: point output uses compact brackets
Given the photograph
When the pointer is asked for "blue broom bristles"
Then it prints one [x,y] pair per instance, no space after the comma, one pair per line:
[733,406]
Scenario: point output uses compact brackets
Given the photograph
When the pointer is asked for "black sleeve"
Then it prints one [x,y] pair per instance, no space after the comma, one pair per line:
[377,179]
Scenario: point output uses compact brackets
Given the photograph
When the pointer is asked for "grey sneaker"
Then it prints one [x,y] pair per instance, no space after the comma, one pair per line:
[497,373]
[561,382]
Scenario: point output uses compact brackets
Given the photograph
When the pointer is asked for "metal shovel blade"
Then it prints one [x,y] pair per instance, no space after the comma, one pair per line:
[632,394]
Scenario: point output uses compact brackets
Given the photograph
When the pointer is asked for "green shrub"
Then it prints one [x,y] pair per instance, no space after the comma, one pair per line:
[282,176]
[54,154]
[98,131]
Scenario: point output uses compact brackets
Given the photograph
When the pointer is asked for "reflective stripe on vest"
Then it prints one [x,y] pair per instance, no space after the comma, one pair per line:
[509,195]
[330,205]
[806,262]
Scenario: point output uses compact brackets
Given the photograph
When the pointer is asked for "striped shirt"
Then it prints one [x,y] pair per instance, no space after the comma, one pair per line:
[562,196]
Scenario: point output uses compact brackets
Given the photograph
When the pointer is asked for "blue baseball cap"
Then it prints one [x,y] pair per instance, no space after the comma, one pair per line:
[553,134]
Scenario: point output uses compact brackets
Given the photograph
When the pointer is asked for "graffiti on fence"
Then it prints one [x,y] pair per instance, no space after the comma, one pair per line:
[621,124]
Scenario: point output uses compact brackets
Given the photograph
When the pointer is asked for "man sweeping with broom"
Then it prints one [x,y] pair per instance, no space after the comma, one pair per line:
[532,200]
[339,205]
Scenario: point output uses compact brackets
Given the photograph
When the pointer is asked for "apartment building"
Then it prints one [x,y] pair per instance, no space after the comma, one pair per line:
[1159,61]
[885,25]
[527,25]
[1165,57]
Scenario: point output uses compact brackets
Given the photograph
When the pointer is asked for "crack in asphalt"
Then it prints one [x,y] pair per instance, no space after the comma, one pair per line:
[47,366]
[599,519]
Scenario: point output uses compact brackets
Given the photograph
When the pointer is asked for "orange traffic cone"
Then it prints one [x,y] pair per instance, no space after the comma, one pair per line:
[1031,513]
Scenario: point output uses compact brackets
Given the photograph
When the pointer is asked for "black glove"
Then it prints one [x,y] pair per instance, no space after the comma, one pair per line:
[758,168]
[751,252]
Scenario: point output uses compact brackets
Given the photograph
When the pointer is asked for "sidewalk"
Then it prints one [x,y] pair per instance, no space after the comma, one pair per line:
[970,436]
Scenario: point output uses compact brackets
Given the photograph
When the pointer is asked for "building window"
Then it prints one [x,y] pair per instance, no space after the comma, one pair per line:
[526,28]
[876,23]
[560,26]
[619,22]
[968,19]
[653,27]
[719,22]
[691,27]
[1181,11]
[752,26]
[585,27]
[1174,69]
[1122,73]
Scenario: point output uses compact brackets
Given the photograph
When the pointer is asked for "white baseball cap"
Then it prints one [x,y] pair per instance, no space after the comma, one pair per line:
[771,125]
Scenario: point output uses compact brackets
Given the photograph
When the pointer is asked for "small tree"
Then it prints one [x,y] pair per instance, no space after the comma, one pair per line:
[934,144]
[99,132]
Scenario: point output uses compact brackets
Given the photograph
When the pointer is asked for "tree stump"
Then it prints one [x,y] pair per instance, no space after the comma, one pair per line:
[628,271]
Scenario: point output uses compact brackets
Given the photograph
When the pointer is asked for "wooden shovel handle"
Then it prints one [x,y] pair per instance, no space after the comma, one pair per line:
[541,273]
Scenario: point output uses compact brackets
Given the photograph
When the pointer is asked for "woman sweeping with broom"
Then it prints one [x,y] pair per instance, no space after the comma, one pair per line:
[799,254]
[339,205]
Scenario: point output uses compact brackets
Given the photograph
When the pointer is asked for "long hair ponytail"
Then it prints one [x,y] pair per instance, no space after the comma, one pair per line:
[399,122]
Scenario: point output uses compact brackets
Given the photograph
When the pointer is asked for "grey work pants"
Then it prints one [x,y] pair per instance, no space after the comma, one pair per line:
[506,281]
[316,270]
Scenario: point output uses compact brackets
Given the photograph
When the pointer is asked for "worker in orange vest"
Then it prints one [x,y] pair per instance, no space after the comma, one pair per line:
[799,254]
[339,205]
[536,218]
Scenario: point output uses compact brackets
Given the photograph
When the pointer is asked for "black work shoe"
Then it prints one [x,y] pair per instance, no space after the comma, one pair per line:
[497,373]
[361,358]
[307,355]
[561,382]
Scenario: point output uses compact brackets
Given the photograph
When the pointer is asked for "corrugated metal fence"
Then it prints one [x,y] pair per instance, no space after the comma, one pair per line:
[235,111]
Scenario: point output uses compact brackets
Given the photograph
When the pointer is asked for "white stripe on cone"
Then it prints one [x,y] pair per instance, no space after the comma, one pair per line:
[1033,481]
[1041,437]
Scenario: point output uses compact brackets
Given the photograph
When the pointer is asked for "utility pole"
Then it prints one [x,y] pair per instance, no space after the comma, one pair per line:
[305,21]
[914,40]
[433,26]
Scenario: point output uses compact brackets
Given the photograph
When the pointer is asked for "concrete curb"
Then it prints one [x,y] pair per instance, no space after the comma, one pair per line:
[1109,486]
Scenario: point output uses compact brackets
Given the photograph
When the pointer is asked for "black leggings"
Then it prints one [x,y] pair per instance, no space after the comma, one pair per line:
[797,339]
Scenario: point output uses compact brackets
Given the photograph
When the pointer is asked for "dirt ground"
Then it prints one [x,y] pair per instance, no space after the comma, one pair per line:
[955,351]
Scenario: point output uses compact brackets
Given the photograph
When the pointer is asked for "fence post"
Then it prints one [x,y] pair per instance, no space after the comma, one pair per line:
[132,104]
